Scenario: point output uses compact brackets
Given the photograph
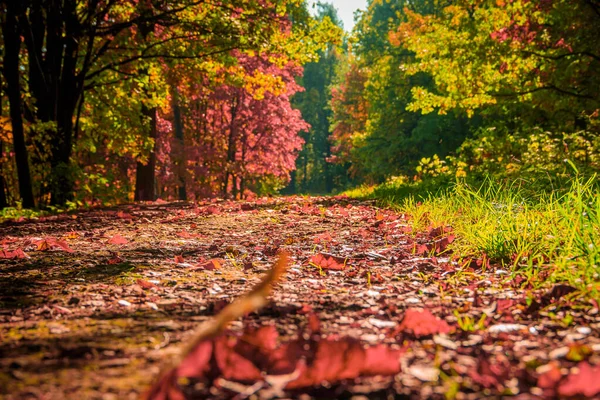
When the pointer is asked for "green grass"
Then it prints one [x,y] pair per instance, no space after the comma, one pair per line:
[545,236]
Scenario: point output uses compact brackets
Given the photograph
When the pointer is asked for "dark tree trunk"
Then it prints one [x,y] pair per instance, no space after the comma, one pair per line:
[144,175]
[3,199]
[292,186]
[231,150]
[3,187]
[181,160]
[12,47]
[52,35]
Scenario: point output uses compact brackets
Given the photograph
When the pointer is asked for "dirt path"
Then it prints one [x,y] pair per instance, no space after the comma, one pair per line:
[97,299]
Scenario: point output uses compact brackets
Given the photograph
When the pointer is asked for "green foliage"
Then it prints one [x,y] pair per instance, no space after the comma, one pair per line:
[17,212]
[543,236]
[313,171]
[382,137]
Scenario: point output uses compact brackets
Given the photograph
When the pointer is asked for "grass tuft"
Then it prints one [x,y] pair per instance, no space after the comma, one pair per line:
[547,237]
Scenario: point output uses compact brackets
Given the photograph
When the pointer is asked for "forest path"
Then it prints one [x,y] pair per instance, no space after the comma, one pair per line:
[91,303]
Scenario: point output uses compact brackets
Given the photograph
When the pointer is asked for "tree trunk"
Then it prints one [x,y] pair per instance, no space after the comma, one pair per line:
[3,199]
[3,188]
[52,35]
[231,149]
[181,160]
[144,175]
[12,47]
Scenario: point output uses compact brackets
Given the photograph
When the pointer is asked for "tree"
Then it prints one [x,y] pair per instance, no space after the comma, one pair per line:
[11,58]
[539,55]
[73,46]
[243,133]
[314,172]
[373,127]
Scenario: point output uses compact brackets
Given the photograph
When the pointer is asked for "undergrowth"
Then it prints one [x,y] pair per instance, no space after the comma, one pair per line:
[549,236]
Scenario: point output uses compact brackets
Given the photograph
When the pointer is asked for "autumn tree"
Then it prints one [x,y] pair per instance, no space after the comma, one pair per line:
[538,54]
[72,46]
[372,125]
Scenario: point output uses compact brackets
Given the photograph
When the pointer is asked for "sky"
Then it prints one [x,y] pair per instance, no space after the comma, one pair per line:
[346,10]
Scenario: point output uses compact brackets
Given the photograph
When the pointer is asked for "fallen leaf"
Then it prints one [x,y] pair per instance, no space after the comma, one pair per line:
[326,262]
[550,377]
[124,215]
[422,323]
[584,383]
[50,243]
[118,239]
[210,265]
[18,253]
[145,284]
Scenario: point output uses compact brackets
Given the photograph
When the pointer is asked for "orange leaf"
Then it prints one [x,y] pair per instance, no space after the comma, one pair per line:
[211,265]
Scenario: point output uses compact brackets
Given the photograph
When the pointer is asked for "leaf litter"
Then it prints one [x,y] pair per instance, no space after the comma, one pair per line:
[101,306]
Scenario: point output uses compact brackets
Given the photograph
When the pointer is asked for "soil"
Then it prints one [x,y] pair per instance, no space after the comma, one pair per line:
[92,303]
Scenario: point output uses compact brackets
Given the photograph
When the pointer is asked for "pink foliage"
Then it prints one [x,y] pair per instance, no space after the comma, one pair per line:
[233,140]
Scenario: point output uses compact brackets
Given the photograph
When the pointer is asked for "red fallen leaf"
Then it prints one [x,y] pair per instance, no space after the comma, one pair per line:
[212,210]
[306,309]
[325,262]
[234,366]
[248,358]
[438,231]
[585,383]
[420,249]
[440,245]
[52,243]
[115,260]
[490,374]
[18,253]
[185,234]
[145,284]
[179,259]
[337,360]
[550,378]
[118,239]
[503,305]
[422,323]
[124,215]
